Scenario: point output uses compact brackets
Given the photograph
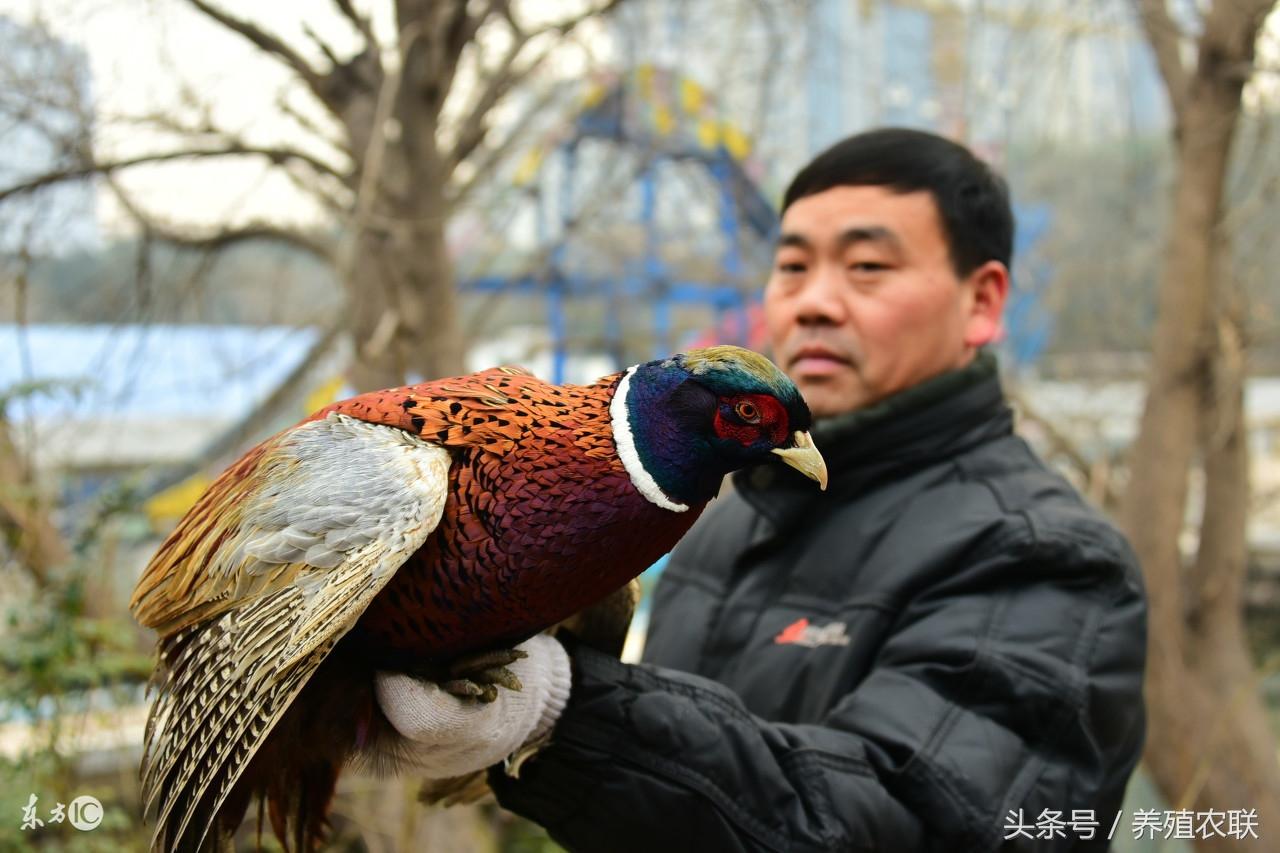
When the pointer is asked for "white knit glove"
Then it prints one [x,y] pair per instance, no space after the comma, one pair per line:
[455,737]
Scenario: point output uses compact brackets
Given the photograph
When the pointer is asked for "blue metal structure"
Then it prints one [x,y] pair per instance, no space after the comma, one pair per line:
[742,213]
[1027,321]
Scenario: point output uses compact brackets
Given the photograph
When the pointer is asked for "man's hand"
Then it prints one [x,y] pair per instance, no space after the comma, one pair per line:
[451,737]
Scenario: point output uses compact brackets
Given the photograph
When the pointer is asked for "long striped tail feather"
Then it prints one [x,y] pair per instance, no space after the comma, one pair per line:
[220,697]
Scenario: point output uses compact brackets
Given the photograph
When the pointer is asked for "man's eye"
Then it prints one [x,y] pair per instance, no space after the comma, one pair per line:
[791,266]
[868,266]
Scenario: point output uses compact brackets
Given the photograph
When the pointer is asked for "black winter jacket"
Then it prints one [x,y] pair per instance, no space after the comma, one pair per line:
[948,635]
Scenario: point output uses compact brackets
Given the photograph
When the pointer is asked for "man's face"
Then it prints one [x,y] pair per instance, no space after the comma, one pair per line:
[863,300]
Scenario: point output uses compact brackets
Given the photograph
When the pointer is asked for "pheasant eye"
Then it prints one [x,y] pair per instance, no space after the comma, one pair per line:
[748,412]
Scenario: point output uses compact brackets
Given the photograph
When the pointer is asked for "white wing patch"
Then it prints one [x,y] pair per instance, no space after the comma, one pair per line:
[348,496]
[348,503]
[336,485]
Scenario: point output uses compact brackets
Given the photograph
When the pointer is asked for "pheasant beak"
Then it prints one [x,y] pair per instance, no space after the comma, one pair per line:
[805,458]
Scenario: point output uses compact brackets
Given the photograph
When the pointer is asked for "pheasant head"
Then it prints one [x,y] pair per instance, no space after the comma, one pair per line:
[682,423]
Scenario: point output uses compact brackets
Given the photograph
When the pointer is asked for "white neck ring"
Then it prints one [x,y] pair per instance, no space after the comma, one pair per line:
[626,444]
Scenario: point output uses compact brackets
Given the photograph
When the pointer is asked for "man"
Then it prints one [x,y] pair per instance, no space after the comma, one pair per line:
[944,651]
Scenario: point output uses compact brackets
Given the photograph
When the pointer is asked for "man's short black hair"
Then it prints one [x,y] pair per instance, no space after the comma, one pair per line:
[972,199]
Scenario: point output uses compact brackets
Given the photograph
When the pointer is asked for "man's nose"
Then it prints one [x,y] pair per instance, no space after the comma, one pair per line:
[821,300]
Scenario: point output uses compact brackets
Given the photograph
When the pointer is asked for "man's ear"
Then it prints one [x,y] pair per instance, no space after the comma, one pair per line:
[989,287]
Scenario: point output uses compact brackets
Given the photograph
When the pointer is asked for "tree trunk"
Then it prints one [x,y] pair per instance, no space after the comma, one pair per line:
[401,287]
[1209,745]
[25,525]
[404,303]
[1239,764]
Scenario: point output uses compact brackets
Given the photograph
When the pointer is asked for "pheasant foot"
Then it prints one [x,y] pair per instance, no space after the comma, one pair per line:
[478,676]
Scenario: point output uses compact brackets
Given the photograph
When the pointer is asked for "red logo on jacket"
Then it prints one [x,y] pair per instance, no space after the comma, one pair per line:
[801,633]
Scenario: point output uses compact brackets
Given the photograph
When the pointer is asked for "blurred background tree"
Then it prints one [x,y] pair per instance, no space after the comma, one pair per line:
[394,128]
[1210,739]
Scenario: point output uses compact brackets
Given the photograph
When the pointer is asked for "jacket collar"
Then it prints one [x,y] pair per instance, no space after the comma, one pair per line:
[912,429]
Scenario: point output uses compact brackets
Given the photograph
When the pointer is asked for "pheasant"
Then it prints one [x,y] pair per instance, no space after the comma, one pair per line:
[423,529]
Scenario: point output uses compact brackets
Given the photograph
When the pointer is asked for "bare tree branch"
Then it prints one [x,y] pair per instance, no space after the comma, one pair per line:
[255,231]
[316,131]
[464,27]
[1166,42]
[207,131]
[268,43]
[421,27]
[360,22]
[330,201]
[505,76]
[459,32]
[1229,43]
[491,8]
[493,88]
[334,88]
[322,46]
[568,25]
[219,238]
[277,155]
[493,156]
[1060,444]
